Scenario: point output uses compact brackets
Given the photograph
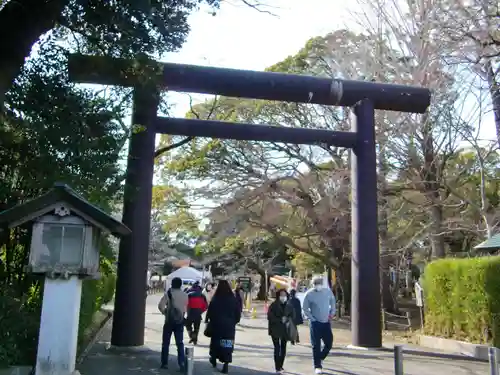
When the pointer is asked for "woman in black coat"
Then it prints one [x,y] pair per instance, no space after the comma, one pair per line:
[280,314]
[294,302]
[222,316]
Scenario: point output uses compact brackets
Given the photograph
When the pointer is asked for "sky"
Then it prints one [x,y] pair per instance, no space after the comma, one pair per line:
[242,38]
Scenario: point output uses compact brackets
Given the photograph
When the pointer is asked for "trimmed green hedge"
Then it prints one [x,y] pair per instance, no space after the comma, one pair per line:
[462,299]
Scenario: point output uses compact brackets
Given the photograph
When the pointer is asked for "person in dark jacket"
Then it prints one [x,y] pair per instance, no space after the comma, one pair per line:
[278,315]
[197,305]
[294,302]
[222,316]
[239,294]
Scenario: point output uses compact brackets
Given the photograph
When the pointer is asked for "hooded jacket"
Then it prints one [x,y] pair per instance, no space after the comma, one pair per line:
[197,303]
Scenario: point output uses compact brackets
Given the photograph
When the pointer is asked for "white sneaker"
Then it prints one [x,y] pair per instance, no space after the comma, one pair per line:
[318,371]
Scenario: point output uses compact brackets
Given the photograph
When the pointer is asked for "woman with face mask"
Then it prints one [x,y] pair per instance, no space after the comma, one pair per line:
[280,316]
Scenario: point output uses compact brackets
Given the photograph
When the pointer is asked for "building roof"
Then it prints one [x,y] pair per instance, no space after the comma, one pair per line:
[492,243]
[34,208]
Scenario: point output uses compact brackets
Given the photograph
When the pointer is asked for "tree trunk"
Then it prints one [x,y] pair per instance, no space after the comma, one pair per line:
[329,275]
[494,89]
[262,294]
[430,177]
[388,301]
[437,239]
[22,23]
[344,281]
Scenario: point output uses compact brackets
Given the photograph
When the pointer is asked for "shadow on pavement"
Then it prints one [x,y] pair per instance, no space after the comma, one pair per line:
[328,371]
[257,327]
[102,361]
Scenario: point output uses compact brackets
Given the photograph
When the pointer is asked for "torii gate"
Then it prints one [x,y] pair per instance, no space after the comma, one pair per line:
[147,77]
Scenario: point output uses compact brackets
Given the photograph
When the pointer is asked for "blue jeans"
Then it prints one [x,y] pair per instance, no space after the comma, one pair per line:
[178,331]
[320,332]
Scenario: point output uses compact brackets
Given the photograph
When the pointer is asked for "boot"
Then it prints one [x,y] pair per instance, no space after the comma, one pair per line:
[213,362]
[225,368]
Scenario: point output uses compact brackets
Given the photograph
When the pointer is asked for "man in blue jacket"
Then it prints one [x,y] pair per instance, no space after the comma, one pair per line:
[319,308]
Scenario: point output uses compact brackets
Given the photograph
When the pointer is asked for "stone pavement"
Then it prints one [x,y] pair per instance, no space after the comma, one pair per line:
[253,355]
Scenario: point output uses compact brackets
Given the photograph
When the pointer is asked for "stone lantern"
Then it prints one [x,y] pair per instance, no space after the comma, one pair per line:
[66,233]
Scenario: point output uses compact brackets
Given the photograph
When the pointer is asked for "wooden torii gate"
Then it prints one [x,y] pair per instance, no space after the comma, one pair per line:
[149,77]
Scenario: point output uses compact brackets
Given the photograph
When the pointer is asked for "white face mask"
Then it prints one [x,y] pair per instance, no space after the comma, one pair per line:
[283,299]
[318,287]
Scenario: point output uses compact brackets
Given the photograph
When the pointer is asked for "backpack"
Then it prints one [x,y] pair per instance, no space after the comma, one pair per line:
[174,315]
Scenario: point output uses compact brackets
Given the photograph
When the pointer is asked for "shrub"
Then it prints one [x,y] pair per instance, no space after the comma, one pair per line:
[19,325]
[96,293]
[462,299]
[20,317]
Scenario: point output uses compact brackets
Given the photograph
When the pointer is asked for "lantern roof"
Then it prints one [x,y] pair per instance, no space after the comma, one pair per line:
[62,194]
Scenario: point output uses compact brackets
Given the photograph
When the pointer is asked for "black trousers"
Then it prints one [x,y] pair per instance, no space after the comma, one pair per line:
[279,352]
[193,327]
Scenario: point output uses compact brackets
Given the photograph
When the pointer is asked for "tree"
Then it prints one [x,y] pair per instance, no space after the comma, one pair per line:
[121,28]
[51,132]
[114,28]
[471,36]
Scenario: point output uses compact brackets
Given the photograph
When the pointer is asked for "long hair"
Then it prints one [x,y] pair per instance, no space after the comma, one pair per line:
[223,290]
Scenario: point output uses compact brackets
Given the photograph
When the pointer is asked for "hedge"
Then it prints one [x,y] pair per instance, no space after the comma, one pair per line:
[20,317]
[462,299]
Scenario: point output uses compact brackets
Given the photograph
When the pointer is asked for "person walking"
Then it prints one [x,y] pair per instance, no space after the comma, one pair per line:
[294,302]
[197,305]
[173,305]
[209,291]
[240,295]
[222,316]
[279,314]
[319,308]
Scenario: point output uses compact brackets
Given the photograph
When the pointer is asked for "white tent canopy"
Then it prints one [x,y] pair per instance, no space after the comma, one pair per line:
[186,273]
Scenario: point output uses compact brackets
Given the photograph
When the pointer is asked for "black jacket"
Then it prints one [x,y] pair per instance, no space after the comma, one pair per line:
[294,302]
[276,312]
[223,315]
[237,294]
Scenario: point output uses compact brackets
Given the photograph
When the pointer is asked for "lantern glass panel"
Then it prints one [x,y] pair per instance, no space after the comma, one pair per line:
[62,245]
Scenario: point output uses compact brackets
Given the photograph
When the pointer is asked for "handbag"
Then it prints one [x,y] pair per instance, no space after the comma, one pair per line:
[208,329]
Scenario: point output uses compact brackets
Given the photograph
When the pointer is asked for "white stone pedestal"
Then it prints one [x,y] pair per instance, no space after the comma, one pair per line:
[57,341]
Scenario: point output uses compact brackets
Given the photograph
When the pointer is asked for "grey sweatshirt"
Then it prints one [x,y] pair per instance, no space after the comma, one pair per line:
[318,306]
[179,300]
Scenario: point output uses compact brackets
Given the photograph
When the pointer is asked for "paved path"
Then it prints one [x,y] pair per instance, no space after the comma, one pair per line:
[253,355]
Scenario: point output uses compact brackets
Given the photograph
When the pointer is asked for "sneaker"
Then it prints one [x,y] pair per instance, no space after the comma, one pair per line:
[318,371]
[163,367]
